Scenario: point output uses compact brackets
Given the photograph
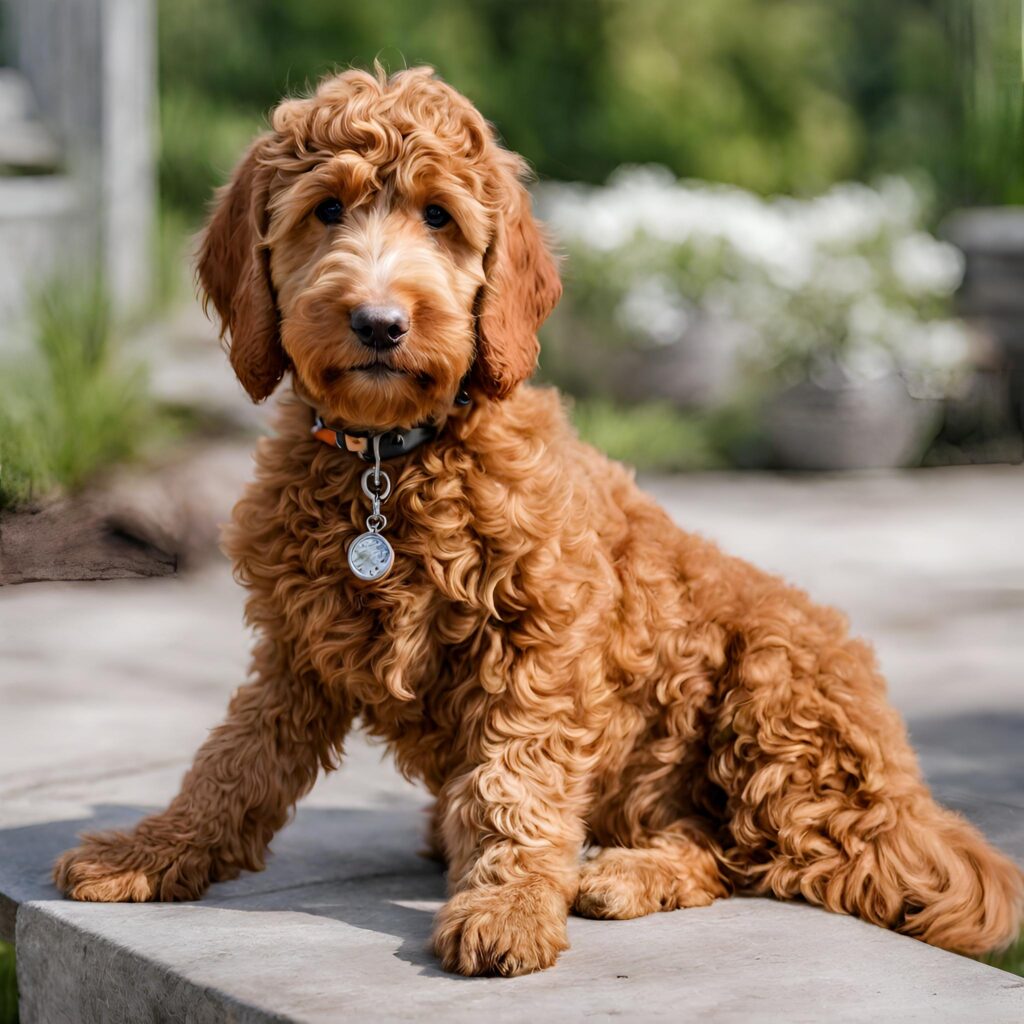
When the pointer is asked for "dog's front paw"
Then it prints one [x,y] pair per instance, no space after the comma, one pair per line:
[118,867]
[502,929]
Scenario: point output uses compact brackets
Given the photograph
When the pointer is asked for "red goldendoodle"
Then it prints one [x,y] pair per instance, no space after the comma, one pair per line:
[532,636]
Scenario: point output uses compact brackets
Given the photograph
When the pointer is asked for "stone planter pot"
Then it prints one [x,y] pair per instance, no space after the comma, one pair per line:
[870,425]
[698,371]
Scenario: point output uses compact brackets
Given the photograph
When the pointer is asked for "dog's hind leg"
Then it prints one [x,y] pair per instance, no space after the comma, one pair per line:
[676,869]
[825,800]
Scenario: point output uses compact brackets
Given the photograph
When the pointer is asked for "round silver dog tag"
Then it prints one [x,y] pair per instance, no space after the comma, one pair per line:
[370,556]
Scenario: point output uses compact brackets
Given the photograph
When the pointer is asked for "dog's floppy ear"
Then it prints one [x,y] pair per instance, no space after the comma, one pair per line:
[522,288]
[234,273]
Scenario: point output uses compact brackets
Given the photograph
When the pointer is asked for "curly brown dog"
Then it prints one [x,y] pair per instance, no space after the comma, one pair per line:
[562,666]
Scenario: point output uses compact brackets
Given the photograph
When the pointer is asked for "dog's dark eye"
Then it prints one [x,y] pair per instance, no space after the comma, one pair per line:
[436,216]
[329,211]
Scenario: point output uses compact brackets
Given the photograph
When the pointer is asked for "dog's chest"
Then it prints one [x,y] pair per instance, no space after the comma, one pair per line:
[417,686]
[452,592]
[422,624]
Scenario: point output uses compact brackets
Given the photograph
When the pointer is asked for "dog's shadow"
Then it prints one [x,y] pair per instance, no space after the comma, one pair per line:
[362,868]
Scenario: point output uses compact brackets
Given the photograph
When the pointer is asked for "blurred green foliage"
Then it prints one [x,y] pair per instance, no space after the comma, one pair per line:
[72,407]
[1011,959]
[652,436]
[774,95]
[779,96]
[658,437]
[8,986]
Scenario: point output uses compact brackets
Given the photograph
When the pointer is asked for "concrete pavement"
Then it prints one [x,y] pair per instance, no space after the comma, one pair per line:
[107,689]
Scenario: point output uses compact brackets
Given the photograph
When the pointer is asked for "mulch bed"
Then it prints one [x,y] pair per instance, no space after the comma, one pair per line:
[73,540]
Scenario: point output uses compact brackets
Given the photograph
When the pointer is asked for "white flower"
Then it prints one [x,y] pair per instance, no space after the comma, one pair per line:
[940,346]
[655,309]
[925,266]
[902,202]
[932,357]
[869,317]
[845,216]
[866,360]
[842,277]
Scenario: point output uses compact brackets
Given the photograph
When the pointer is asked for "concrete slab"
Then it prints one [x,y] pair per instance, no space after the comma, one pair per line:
[358,952]
[107,689]
[339,923]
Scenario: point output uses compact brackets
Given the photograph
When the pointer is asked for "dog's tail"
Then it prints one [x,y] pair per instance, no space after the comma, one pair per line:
[933,876]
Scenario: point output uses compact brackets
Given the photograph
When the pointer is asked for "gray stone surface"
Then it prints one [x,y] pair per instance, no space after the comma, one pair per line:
[107,689]
[357,951]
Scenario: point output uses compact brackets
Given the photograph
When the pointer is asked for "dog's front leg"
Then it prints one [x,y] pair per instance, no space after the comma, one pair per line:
[245,778]
[512,828]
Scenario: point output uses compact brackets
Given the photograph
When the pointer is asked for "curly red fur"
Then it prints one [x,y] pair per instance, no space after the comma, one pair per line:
[556,660]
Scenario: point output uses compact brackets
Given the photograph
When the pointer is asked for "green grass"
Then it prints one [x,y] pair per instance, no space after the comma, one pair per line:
[172,243]
[200,141]
[1011,960]
[8,986]
[654,436]
[73,405]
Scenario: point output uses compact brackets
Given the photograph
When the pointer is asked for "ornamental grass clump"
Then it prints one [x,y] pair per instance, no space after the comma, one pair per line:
[72,404]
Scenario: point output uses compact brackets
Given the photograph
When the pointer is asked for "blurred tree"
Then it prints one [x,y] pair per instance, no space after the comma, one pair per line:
[986,162]
[937,85]
[775,95]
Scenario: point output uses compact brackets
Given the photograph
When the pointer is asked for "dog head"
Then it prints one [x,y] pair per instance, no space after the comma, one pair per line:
[378,242]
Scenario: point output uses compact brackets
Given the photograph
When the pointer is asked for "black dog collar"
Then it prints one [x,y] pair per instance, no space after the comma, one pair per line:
[392,442]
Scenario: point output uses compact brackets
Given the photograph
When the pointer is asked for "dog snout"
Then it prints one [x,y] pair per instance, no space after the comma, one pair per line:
[379,327]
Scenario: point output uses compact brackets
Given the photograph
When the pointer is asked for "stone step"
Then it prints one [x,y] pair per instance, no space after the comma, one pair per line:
[98,728]
[26,145]
[27,148]
[338,927]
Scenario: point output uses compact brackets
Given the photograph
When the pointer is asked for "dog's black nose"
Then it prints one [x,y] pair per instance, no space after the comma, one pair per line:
[379,326]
